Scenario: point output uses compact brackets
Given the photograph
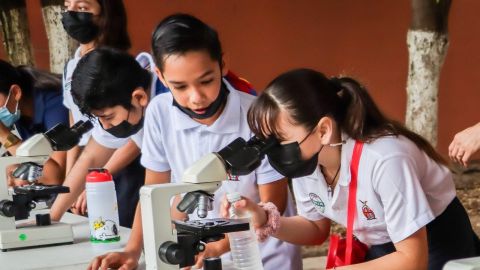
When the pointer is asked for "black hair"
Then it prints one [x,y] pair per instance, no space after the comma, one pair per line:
[113,25]
[10,75]
[107,77]
[182,33]
[308,95]
[42,80]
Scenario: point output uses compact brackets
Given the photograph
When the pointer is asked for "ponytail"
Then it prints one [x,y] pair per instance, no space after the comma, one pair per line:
[364,121]
[308,96]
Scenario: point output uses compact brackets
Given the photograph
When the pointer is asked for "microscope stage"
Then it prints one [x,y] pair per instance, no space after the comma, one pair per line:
[35,236]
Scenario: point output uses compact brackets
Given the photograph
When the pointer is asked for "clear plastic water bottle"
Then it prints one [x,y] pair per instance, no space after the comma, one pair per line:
[102,210]
[243,245]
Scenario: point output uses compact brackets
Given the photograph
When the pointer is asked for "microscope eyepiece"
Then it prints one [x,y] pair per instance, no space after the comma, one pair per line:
[242,158]
[63,138]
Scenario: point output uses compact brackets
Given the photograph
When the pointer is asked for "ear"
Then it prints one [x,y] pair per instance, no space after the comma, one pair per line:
[224,68]
[160,76]
[325,130]
[16,92]
[140,96]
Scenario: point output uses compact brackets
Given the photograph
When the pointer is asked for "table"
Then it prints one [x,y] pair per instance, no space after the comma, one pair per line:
[66,257]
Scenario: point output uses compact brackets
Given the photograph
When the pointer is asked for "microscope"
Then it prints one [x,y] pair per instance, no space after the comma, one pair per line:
[171,247]
[16,203]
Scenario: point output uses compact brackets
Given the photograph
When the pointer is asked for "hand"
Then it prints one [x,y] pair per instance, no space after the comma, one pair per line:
[12,181]
[259,216]
[80,206]
[465,144]
[118,260]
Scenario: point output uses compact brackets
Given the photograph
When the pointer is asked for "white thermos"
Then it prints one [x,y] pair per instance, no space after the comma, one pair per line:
[102,210]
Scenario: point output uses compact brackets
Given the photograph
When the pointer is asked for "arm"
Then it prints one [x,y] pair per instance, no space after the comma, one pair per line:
[307,232]
[54,169]
[122,157]
[129,258]
[275,192]
[94,155]
[412,253]
[74,153]
[4,134]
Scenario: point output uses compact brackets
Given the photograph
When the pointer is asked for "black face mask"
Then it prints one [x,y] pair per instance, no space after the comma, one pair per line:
[287,160]
[124,129]
[80,26]
[211,110]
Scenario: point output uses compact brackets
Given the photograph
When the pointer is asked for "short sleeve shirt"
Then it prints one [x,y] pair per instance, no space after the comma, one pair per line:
[400,190]
[173,141]
[67,95]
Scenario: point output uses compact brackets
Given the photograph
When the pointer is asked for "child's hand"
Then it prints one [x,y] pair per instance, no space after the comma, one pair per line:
[259,216]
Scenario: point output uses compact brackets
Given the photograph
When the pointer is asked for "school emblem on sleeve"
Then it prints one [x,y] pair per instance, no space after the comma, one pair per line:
[231,177]
[367,211]
[317,202]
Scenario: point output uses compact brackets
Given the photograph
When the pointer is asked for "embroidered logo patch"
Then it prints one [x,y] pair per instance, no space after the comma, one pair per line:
[367,211]
[317,202]
[231,177]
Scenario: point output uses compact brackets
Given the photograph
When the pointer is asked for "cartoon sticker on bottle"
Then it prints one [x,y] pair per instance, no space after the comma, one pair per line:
[317,202]
[367,211]
[104,231]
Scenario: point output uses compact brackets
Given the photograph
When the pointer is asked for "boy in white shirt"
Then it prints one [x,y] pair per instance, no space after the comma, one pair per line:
[202,114]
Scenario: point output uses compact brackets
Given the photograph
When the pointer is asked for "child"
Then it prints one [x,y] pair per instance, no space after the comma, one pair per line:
[111,85]
[406,209]
[201,114]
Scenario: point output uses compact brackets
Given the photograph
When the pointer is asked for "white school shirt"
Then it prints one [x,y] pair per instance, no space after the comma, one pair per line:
[67,95]
[108,140]
[173,141]
[400,190]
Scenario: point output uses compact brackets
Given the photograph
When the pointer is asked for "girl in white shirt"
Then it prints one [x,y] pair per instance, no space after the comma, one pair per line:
[407,212]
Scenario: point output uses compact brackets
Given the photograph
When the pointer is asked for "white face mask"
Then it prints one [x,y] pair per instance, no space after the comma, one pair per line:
[8,118]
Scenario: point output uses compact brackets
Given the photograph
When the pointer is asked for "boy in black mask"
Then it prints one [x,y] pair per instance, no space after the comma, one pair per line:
[112,86]
[202,113]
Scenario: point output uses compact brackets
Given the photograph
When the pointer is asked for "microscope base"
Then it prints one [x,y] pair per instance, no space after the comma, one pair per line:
[463,264]
[35,236]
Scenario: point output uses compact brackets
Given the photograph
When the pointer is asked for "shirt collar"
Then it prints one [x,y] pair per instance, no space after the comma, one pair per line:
[77,54]
[227,122]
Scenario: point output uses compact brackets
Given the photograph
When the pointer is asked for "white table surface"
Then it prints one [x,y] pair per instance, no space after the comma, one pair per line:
[66,257]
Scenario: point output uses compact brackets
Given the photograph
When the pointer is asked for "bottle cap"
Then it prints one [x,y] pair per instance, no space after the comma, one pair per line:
[233,197]
[98,175]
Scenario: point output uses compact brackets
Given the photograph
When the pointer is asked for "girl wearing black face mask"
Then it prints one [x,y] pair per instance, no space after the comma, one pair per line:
[405,210]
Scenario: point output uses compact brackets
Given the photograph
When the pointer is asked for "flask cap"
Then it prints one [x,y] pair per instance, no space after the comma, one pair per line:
[96,175]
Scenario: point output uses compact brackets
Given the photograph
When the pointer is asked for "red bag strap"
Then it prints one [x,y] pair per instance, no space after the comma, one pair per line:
[352,197]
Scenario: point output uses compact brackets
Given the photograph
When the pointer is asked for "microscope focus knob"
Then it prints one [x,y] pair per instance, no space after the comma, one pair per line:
[171,253]
[7,208]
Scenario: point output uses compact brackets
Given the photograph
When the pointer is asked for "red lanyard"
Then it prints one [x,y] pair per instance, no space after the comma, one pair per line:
[352,197]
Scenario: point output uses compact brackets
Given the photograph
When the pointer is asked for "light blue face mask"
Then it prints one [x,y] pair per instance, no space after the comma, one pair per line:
[8,118]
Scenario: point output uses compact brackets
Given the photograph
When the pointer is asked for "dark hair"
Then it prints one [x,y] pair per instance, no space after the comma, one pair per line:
[308,96]
[43,80]
[107,77]
[113,25]
[182,33]
[10,75]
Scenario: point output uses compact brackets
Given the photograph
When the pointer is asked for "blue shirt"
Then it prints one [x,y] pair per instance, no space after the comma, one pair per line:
[48,110]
